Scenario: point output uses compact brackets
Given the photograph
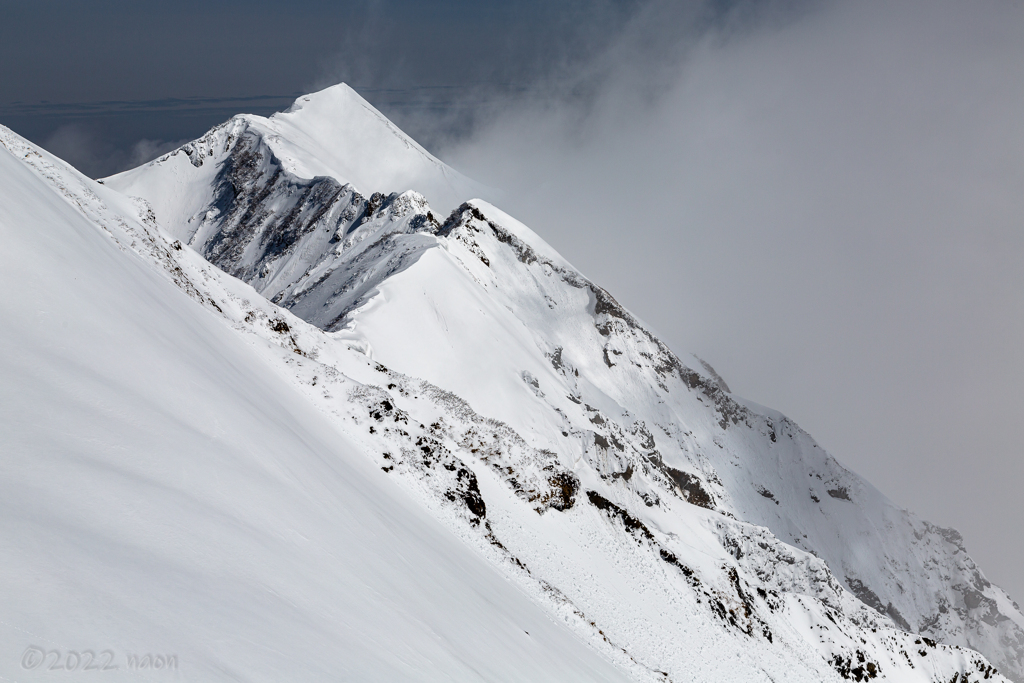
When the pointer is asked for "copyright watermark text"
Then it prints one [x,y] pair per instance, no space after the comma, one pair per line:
[40,659]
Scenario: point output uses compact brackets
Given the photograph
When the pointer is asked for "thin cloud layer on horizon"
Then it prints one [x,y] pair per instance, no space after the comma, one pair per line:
[119,72]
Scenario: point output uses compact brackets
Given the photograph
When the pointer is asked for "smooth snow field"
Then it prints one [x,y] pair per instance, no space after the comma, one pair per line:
[163,493]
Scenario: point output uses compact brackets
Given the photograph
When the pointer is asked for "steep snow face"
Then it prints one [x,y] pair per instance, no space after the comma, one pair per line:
[217,492]
[174,506]
[333,133]
[480,307]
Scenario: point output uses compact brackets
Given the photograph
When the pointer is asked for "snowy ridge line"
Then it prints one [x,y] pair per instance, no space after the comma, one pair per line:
[666,361]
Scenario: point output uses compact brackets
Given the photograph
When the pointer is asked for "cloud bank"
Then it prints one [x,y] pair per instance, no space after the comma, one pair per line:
[826,201]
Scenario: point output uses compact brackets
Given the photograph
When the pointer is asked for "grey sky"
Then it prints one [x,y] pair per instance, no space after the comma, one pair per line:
[824,200]
[829,209]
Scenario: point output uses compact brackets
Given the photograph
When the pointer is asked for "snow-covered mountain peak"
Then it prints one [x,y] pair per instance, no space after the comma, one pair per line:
[336,97]
[339,109]
[336,132]
[332,133]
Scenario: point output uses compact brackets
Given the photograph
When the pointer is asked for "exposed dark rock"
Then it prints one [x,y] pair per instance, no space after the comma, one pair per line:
[841,493]
[691,487]
[631,523]
[565,485]
[861,670]
[469,492]
[626,475]
[871,599]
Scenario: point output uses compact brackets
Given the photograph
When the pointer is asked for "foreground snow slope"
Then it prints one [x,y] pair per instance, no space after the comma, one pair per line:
[165,490]
[480,306]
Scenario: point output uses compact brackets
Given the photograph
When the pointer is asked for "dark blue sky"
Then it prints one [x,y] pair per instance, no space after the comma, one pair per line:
[89,80]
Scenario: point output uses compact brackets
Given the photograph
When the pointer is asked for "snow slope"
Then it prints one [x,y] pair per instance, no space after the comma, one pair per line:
[166,491]
[478,305]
